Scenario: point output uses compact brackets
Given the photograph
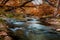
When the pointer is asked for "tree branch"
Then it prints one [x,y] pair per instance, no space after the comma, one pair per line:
[14,7]
[50,3]
[25,3]
[4,2]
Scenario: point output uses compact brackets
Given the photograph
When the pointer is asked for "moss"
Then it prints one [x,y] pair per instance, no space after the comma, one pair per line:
[1,20]
[9,15]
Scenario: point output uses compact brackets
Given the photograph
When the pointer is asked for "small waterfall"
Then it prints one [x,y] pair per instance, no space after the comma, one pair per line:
[37,2]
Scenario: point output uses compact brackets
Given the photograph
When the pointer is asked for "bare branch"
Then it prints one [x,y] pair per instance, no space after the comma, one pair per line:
[4,2]
[14,7]
[25,3]
[50,3]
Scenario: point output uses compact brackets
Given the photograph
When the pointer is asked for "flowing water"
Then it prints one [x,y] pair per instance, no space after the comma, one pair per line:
[33,31]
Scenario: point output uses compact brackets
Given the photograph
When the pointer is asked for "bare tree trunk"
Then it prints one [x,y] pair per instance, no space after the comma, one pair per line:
[56,9]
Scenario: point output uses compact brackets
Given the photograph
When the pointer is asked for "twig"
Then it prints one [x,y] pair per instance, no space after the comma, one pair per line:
[4,2]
